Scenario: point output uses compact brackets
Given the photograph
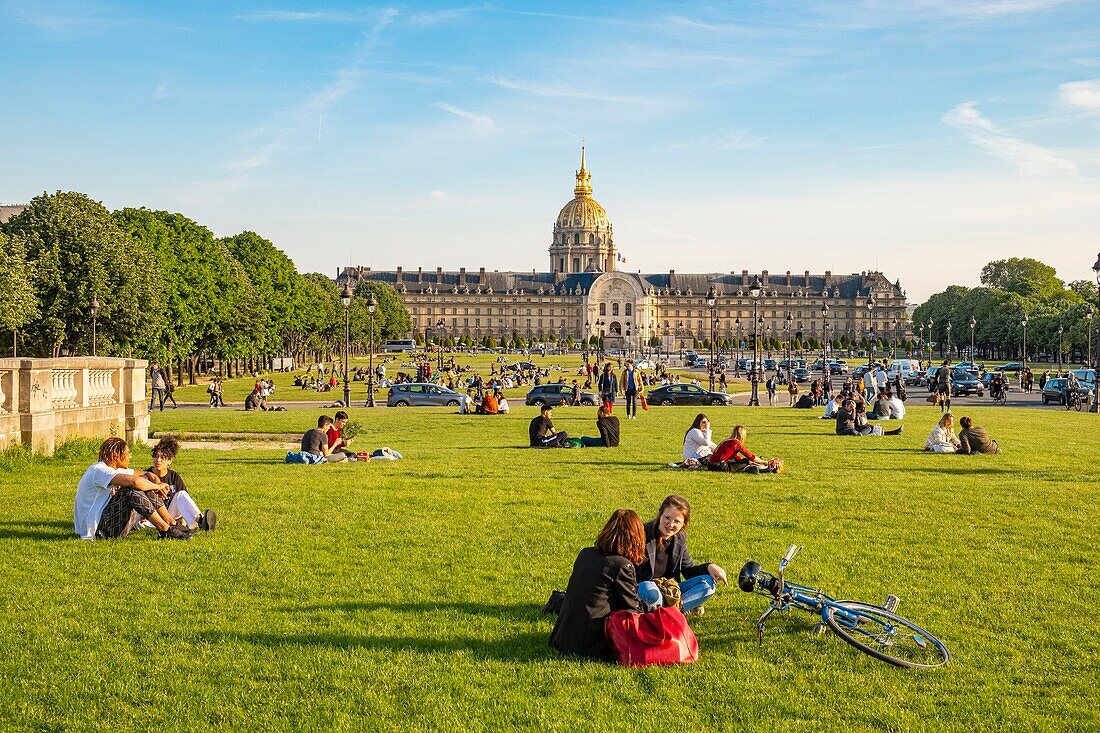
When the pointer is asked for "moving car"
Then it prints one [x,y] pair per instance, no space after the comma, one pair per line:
[686,394]
[1012,366]
[800,374]
[965,383]
[838,366]
[914,378]
[557,394]
[422,394]
[1055,391]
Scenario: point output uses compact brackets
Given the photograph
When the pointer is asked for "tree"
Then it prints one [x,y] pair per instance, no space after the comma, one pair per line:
[20,305]
[1022,275]
[391,317]
[76,251]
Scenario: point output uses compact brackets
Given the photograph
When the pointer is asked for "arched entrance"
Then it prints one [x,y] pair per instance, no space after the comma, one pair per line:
[615,329]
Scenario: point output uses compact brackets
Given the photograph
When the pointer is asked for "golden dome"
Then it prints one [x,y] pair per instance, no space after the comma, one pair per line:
[583,212]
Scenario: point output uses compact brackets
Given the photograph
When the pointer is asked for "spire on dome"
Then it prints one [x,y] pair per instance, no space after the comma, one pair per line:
[583,189]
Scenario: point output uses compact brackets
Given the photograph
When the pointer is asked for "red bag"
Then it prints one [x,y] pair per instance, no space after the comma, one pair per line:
[659,637]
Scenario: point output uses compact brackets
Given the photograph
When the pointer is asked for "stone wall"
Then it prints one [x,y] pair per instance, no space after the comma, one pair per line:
[45,402]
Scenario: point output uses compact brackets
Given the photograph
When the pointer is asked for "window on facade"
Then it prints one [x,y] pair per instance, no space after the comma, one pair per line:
[603,309]
[614,309]
[629,309]
[576,264]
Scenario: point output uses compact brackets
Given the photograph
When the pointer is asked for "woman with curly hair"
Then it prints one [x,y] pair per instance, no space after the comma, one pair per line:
[667,558]
[177,499]
[603,581]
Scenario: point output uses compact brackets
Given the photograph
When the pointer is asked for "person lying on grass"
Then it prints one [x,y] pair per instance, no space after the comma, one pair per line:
[603,581]
[541,431]
[111,499]
[178,500]
[732,456]
[667,559]
[608,426]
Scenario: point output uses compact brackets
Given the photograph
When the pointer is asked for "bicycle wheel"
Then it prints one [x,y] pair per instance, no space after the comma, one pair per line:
[886,636]
[1079,403]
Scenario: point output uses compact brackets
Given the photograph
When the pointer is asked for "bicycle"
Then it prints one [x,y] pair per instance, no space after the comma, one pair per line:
[1073,400]
[999,395]
[875,630]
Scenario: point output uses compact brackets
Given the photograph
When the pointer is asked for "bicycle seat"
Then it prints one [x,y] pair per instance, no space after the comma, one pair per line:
[746,579]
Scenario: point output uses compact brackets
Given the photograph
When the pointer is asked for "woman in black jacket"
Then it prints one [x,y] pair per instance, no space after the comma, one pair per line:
[603,581]
[667,556]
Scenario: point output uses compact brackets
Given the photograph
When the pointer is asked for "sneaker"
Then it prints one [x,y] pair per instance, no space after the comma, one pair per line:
[175,532]
[697,611]
[208,521]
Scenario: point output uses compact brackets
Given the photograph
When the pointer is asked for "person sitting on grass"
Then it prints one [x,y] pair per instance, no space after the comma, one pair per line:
[667,557]
[974,439]
[178,500]
[334,434]
[942,439]
[111,499]
[833,406]
[880,410]
[608,425]
[603,581]
[502,403]
[315,443]
[732,456]
[541,430]
[466,404]
[697,442]
[489,404]
[850,420]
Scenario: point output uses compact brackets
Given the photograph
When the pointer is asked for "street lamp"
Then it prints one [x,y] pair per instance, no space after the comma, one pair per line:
[972,324]
[680,335]
[870,327]
[439,326]
[1023,323]
[754,291]
[587,339]
[949,340]
[1088,331]
[371,305]
[1061,330]
[737,335]
[94,311]
[930,324]
[790,346]
[826,374]
[712,304]
[1096,364]
[894,344]
[345,298]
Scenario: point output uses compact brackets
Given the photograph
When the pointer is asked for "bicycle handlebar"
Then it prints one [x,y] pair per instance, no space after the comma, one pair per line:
[791,552]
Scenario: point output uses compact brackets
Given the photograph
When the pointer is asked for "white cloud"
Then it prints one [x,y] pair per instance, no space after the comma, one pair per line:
[990,8]
[483,124]
[1026,157]
[438,195]
[558,90]
[161,92]
[1082,94]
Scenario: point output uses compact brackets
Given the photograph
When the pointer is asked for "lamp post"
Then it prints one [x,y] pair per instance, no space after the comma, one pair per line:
[345,298]
[440,325]
[680,335]
[870,328]
[972,324]
[1088,332]
[790,345]
[94,310]
[1061,330]
[1023,322]
[1096,364]
[826,374]
[930,324]
[371,305]
[737,335]
[949,340]
[894,344]
[920,343]
[712,304]
[754,291]
[587,339]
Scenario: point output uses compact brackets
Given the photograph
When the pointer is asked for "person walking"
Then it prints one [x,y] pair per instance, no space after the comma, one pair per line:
[608,387]
[158,386]
[629,381]
[943,386]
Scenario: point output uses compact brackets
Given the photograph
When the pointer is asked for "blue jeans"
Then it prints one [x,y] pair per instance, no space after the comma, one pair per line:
[693,591]
[589,442]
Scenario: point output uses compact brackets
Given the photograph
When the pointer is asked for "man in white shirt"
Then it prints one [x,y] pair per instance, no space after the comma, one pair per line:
[466,404]
[111,499]
[897,407]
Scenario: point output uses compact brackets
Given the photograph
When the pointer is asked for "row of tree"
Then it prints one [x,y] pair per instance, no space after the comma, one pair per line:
[1011,289]
[168,289]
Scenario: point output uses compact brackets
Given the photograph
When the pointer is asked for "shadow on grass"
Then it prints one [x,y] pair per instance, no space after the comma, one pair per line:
[526,647]
[508,612]
[55,530]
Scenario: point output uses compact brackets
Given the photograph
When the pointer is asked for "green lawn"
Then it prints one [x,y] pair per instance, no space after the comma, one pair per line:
[404,596]
[235,390]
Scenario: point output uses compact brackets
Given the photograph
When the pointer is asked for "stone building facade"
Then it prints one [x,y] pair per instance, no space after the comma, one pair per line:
[584,294]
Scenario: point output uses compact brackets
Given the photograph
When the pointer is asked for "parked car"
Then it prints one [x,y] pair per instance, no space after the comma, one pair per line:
[800,374]
[770,364]
[988,377]
[643,364]
[557,394]
[700,362]
[838,366]
[968,366]
[965,383]
[1086,376]
[422,394]
[520,365]
[930,377]
[914,378]
[687,394]
[1055,391]
[1012,366]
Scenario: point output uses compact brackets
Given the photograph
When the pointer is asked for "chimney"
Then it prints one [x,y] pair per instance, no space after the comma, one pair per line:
[439,276]
[806,280]
[745,278]
[828,278]
[462,276]
[481,276]
[788,278]
[400,276]
[420,274]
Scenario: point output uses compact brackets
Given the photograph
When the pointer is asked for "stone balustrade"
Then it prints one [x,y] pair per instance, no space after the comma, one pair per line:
[44,402]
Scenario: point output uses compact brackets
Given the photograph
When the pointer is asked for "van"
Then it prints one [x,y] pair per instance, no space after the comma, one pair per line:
[904,367]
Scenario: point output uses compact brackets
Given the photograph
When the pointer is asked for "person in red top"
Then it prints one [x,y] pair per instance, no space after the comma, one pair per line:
[731,455]
[336,442]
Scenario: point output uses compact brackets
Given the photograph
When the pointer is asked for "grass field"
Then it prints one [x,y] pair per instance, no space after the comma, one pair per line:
[405,595]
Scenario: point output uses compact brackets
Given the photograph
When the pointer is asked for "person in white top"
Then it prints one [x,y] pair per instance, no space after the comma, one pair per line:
[942,439]
[897,407]
[502,405]
[697,442]
[466,405]
[880,378]
[111,499]
[869,390]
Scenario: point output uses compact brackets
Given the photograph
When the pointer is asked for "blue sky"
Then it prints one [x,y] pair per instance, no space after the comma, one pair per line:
[922,138]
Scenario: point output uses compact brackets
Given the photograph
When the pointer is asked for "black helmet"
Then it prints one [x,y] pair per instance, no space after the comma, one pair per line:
[746,580]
